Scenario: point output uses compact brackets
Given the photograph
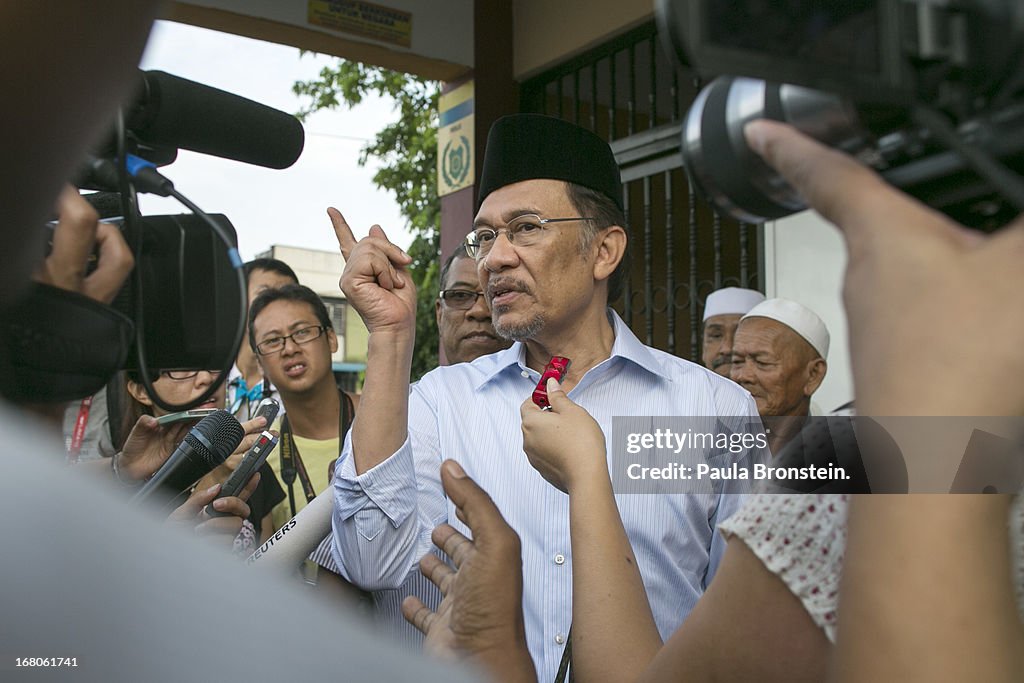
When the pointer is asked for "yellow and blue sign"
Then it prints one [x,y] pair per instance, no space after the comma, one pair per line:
[363,19]
[455,157]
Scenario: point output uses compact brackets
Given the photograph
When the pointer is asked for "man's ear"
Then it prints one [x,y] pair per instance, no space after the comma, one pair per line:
[816,370]
[138,392]
[437,312]
[610,243]
[332,340]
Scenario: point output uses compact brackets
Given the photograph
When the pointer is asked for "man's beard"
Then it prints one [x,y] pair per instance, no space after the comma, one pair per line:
[520,332]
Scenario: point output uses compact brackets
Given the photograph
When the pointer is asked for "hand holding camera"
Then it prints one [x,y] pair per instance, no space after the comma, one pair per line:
[926,93]
[72,265]
[918,288]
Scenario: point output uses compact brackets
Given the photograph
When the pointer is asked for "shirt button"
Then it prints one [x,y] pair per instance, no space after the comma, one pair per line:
[559,638]
[559,558]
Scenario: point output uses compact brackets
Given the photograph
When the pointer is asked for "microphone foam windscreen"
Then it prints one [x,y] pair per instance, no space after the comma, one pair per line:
[181,113]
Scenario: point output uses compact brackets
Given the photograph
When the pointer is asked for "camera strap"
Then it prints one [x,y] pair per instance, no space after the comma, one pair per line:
[291,459]
[291,464]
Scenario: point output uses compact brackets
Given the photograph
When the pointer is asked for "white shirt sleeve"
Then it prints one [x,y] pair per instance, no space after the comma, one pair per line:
[383,517]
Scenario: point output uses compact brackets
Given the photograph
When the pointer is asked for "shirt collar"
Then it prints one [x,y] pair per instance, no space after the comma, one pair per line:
[625,346]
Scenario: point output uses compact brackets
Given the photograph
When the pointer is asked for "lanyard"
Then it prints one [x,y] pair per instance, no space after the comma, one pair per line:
[78,435]
[291,464]
[291,460]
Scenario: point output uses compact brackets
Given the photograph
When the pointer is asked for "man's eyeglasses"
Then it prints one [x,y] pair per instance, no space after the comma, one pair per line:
[522,231]
[188,374]
[460,299]
[303,335]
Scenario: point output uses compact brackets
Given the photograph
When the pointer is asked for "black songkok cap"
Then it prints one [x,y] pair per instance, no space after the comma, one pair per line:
[530,146]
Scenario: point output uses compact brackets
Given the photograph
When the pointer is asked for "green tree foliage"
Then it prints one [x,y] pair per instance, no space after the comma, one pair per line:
[407,153]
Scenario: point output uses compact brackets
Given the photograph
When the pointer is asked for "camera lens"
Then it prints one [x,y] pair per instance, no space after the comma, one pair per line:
[727,172]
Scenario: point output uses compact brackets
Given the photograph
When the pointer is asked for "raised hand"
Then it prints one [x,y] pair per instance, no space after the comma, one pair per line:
[481,615]
[564,444]
[934,327]
[375,280]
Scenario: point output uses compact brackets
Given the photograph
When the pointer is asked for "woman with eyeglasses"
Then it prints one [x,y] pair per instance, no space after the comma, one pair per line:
[178,387]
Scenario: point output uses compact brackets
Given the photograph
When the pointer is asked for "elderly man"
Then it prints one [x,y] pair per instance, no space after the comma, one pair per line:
[722,312]
[779,357]
[549,244]
[463,316]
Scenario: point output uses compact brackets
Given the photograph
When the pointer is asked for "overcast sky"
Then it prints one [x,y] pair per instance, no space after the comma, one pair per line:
[267,206]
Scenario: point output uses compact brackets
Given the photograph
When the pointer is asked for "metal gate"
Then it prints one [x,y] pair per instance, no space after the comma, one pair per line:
[631,94]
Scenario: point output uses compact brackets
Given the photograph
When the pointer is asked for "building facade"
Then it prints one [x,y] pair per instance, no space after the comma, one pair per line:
[598,63]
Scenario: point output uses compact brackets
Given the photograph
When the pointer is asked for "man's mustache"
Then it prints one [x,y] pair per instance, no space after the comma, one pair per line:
[719,361]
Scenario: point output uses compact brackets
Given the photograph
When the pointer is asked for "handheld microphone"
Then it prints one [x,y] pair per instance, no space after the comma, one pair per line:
[174,112]
[206,445]
[292,543]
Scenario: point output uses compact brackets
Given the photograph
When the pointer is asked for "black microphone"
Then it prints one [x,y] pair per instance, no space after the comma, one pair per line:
[206,445]
[174,112]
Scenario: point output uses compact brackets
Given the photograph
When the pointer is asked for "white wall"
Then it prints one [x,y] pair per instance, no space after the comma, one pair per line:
[804,261]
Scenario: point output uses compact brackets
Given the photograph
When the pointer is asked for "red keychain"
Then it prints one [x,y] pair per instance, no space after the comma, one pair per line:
[557,367]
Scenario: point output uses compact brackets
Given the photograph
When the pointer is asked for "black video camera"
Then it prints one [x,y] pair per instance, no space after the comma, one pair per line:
[184,283]
[183,306]
[929,93]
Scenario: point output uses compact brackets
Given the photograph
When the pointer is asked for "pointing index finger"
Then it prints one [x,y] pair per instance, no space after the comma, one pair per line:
[346,240]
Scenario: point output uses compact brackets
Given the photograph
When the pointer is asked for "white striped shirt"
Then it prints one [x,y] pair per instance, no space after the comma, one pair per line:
[470,413]
[387,604]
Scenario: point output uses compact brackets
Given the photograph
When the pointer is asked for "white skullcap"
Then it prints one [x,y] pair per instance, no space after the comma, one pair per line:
[798,318]
[731,301]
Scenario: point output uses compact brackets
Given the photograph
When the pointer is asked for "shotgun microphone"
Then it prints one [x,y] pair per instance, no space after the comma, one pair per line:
[170,111]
